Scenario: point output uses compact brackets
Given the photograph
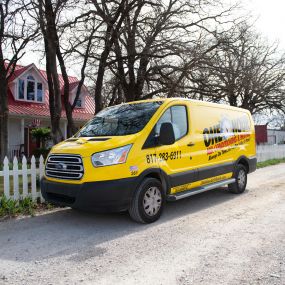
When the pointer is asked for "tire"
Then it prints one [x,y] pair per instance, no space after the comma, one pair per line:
[148,201]
[240,174]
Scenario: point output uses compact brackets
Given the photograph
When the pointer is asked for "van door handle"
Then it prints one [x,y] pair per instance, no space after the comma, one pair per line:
[191,144]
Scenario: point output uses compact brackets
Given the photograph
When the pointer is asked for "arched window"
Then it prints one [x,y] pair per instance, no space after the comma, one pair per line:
[29,89]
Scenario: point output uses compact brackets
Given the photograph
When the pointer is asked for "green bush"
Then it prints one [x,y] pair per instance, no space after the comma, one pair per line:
[41,133]
[11,208]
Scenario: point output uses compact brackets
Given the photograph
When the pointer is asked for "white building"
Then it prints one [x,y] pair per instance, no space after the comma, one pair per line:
[28,102]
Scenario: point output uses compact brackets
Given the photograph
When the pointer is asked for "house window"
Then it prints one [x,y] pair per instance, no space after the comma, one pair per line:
[30,90]
[79,103]
[21,89]
[39,92]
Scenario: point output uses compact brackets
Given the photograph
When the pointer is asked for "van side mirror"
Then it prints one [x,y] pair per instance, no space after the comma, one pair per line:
[166,134]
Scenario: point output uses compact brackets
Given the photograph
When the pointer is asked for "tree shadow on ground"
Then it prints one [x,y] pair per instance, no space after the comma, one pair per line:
[80,234]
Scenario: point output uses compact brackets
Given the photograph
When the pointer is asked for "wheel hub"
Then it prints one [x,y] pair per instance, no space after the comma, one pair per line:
[241,179]
[152,201]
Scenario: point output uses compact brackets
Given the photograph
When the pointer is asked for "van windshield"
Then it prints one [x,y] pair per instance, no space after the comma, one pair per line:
[120,120]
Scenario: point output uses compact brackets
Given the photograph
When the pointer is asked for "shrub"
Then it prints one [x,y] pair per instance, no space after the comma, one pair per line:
[41,135]
[11,208]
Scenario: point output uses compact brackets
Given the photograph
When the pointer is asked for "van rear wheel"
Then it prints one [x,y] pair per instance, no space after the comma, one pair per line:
[148,201]
[240,176]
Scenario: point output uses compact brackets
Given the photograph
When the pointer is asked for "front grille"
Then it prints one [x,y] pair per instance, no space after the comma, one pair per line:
[64,166]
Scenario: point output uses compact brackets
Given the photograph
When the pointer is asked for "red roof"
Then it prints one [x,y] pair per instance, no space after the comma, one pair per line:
[19,69]
[42,109]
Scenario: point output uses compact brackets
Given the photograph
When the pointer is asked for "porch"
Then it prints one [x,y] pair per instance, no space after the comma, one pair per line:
[20,140]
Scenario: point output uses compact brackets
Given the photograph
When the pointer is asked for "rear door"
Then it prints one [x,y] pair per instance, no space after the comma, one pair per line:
[216,142]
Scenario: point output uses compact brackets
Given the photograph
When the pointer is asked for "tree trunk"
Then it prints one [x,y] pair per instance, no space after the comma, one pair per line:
[54,94]
[68,107]
[99,81]
[111,36]
[4,114]
[55,105]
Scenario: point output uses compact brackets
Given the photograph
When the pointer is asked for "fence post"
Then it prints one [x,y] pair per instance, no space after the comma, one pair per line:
[25,177]
[6,177]
[16,178]
[41,171]
[33,178]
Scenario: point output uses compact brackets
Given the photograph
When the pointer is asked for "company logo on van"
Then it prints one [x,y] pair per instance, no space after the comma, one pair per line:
[226,133]
[61,166]
[225,129]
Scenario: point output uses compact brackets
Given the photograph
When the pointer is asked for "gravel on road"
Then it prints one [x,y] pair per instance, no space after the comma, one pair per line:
[211,238]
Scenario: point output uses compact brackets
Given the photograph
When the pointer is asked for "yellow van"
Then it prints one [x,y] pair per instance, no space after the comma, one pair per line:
[137,156]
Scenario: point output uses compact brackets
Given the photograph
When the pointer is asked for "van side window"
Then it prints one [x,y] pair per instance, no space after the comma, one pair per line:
[176,115]
[165,118]
[179,121]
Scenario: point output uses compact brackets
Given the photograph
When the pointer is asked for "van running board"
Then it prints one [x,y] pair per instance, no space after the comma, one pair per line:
[182,195]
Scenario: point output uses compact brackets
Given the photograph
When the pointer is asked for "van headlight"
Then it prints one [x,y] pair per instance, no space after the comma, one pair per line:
[110,157]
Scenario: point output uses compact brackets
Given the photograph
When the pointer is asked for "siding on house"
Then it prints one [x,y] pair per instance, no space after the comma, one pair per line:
[276,136]
[14,133]
[268,136]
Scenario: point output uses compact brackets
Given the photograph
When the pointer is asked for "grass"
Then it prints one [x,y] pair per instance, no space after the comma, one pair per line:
[10,208]
[270,162]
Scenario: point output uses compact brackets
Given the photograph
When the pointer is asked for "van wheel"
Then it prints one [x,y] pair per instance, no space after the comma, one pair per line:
[148,201]
[239,185]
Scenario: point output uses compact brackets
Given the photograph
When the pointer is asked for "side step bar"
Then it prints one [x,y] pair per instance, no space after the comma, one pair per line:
[182,195]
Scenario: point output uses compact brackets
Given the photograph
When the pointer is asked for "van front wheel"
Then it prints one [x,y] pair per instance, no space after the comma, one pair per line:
[148,201]
[239,185]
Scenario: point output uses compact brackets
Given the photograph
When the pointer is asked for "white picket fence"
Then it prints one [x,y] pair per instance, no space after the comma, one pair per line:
[266,152]
[26,177]
[21,182]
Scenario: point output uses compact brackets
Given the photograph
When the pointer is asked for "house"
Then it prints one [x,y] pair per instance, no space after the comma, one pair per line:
[269,136]
[28,102]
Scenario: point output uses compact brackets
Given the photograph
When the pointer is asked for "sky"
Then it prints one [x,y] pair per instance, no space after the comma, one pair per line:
[268,17]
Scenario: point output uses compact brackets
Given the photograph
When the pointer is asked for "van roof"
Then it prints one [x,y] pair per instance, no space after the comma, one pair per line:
[179,99]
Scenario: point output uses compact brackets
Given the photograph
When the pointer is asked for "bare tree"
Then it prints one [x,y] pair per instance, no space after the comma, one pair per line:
[160,42]
[16,31]
[112,14]
[244,71]
[58,22]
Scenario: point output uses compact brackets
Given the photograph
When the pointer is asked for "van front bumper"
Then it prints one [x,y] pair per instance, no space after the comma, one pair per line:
[100,196]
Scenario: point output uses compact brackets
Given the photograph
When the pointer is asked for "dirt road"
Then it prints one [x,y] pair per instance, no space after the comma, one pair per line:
[211,238]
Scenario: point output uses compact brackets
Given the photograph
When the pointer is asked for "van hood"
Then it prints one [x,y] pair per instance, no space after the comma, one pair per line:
[86,146]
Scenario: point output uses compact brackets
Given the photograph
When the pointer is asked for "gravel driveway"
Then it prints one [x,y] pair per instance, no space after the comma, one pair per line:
[212,238]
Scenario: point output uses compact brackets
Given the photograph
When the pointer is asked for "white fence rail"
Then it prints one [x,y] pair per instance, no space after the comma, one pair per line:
[266,152]
[21,182]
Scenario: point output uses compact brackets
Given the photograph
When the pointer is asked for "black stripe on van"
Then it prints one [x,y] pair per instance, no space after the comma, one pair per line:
[200,174]
[210,171]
